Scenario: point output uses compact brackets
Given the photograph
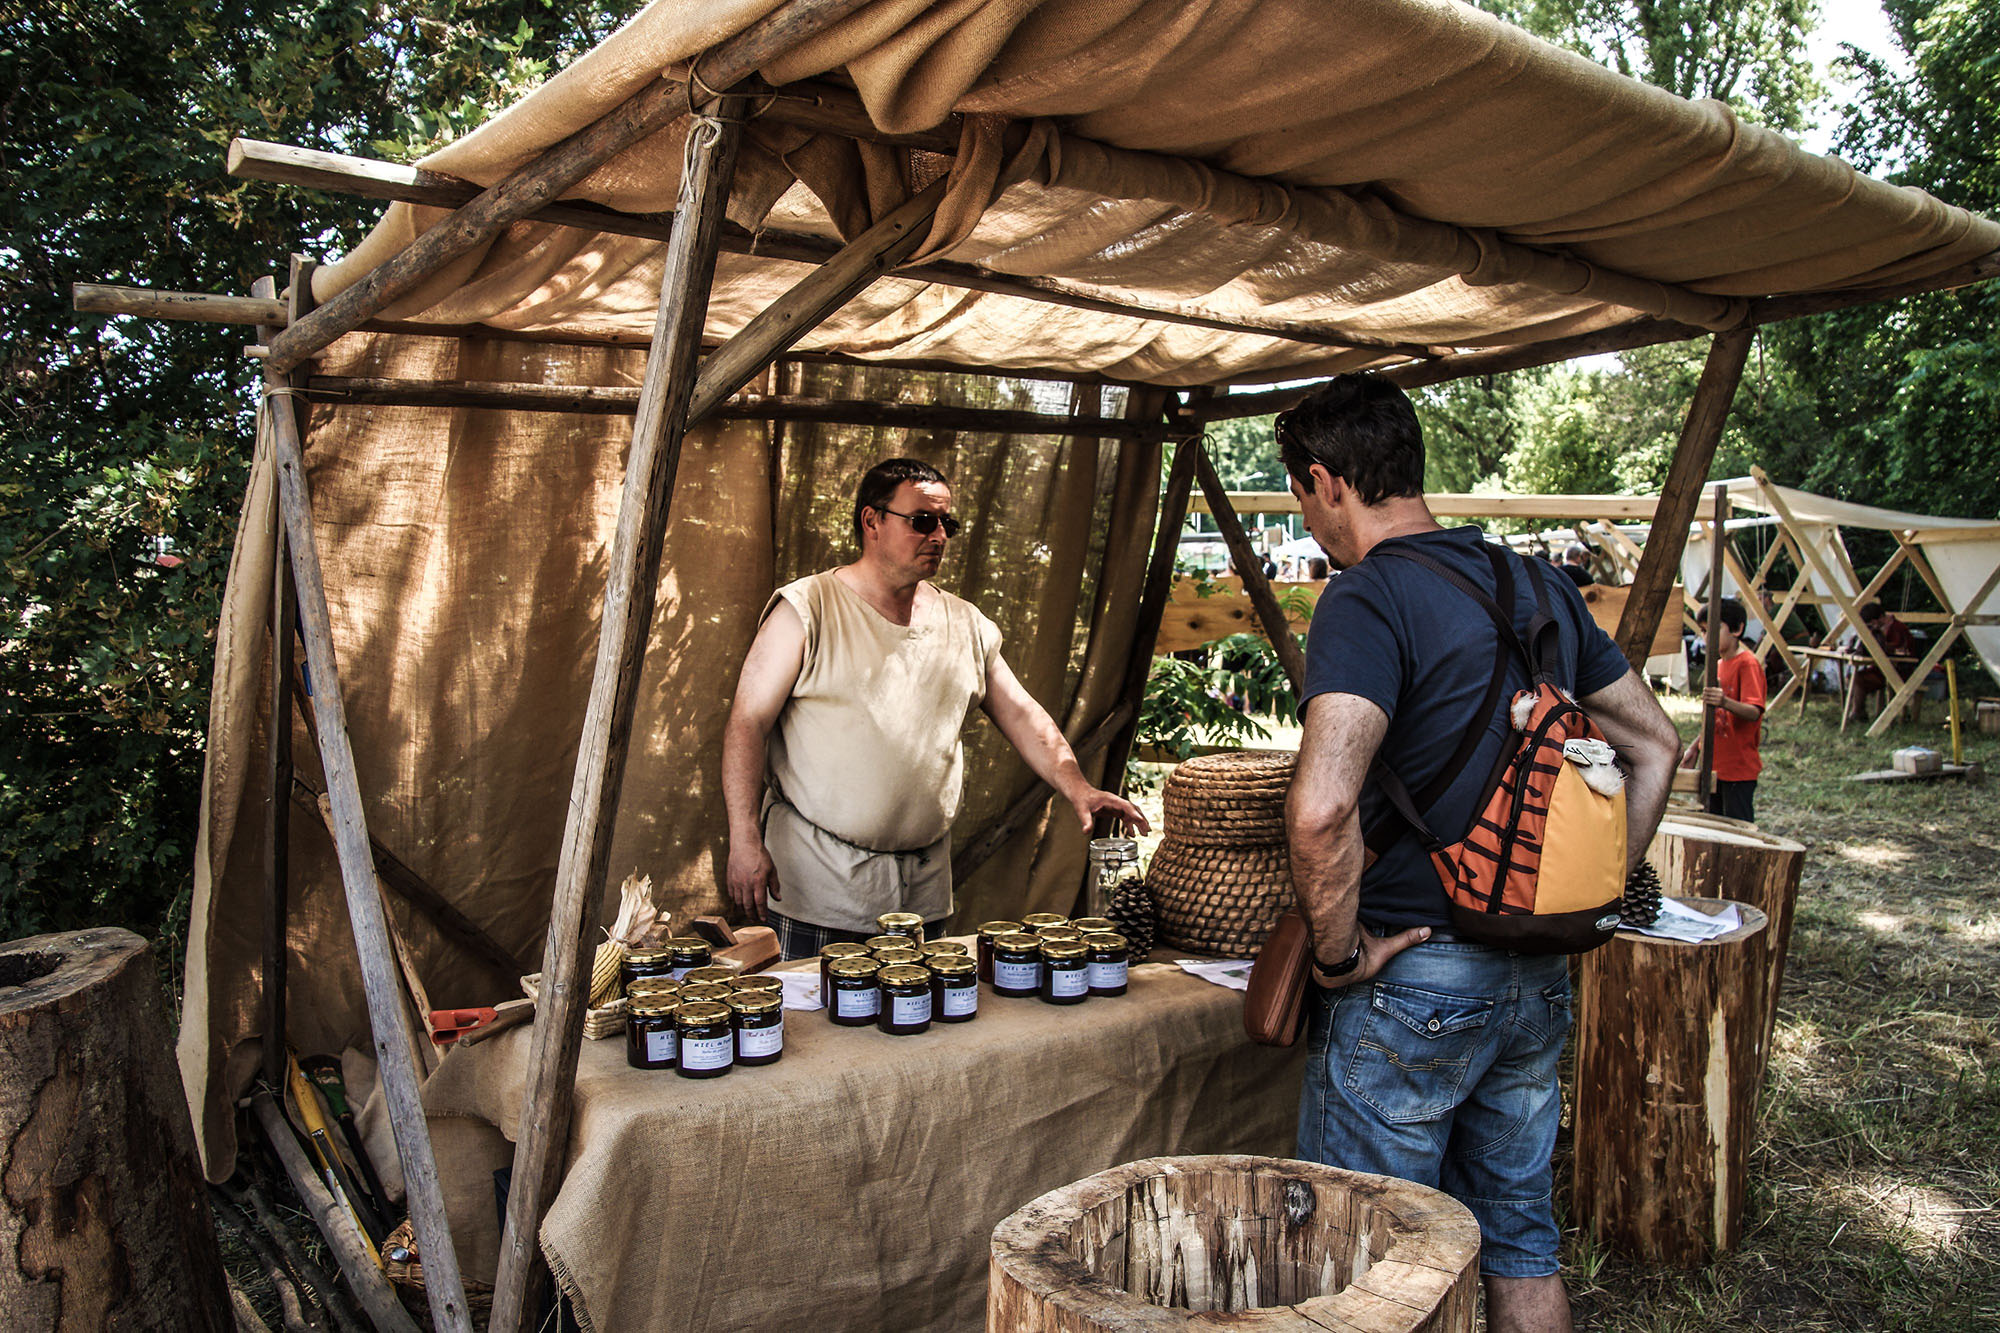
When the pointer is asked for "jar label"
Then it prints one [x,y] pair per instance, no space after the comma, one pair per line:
[708,1052]
[907,1009]
[660,1046]
[960,1001]
[1107,976]
[864,1003]
[1016,976]
[1068,981]
[761,1041]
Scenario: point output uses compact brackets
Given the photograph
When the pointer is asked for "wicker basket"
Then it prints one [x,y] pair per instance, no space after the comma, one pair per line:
[1221,876]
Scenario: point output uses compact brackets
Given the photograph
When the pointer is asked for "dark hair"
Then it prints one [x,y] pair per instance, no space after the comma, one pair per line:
[880,484]
[1362,429]
[1870,611]
[1320,567]
[1733,615]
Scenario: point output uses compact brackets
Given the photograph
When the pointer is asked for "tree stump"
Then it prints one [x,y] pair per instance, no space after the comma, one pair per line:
[1712,857]
[1250,1243]
[1670,1055]
[104,1219]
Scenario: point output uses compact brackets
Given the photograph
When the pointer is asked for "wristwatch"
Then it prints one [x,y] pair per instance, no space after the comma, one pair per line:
[1341,968]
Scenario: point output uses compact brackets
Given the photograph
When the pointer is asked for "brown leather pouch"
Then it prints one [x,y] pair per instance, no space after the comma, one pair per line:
[1274,1007]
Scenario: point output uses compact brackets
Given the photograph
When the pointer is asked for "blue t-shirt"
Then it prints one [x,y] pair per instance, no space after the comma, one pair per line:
[1400,636]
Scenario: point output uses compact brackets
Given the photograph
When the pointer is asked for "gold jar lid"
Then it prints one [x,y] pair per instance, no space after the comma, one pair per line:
[756,1002]
[701,1014]
[706,990]
[1106,939]
[1021,942]
[892,921]
[681,944]
[1054,949]
[844,950]
[657,954]
[875,942]
[653,986]
[703,975]
[1036,920]
[763,981]
[936,947]
[990,929]
[1059,933]
[904,974]
[853,967]
[897,957]
[1094,925]
[651,1006]
[952,965]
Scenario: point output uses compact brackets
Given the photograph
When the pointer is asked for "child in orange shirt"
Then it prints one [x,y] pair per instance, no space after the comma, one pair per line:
[1738,695]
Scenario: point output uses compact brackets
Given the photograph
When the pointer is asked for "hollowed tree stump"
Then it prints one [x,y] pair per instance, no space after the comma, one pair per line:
[1252,1243]
[104,1220]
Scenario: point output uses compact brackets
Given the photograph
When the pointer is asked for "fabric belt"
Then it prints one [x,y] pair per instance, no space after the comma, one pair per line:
[778,799]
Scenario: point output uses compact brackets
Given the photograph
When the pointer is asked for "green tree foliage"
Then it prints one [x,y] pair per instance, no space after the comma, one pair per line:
[122,441]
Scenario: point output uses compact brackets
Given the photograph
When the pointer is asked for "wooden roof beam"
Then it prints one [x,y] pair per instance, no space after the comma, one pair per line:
[1471,505]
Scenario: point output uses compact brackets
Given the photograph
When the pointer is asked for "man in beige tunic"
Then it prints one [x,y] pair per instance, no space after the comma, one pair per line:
[841,765]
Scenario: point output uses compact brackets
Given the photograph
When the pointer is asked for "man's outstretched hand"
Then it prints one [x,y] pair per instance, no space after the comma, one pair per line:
[1095,801]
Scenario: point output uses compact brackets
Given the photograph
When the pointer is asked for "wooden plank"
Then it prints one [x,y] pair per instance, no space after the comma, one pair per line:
[94,298]
[1192,620]
[1251,569]
[1699,436]
[630,586]
[343,1239]
[388,1020]
[1446,504]
[1606,604]
[1970,772]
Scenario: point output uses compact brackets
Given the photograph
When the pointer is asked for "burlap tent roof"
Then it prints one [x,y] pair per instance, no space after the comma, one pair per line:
[1411,172]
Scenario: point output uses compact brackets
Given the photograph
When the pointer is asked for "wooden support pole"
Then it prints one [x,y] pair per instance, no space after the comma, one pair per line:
[772,330]
[1922,671]
[1276,627]
[1700,434]
[1712,643]
[393,1040]
[632,581]
[1850,611]
[93,298]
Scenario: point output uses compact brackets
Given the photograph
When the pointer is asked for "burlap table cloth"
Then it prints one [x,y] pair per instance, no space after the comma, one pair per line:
[856,1183]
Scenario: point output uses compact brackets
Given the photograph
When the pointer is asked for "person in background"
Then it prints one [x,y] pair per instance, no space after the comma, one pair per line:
[1576,565]
[1896,640]
[1737,694]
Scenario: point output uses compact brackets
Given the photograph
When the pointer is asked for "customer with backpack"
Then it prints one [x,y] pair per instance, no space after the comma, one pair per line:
[1431,1055]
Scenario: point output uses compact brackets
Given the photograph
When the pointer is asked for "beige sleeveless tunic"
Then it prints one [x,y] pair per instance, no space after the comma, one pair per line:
[866,768]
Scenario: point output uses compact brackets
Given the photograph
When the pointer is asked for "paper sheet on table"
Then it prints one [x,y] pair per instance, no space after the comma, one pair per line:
[801,989]
[1231,972]
[1677,921]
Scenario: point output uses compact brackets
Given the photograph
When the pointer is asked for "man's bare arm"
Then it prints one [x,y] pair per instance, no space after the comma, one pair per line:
[770,670]
[1031,731]
[1644,736]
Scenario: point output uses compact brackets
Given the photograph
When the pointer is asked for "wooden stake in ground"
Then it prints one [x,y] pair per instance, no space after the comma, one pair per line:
[104,1220]
[1711,666]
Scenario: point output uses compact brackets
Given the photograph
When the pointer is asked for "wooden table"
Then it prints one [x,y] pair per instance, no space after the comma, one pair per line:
[1848,663]
[856,1183]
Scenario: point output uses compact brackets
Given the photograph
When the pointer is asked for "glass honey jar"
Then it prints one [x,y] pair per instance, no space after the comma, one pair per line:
[989,932]
[906,999]
[856,997]
[1108,959]
[759,1020]
[707,1038]
[650,1039]
[954,988]
[907,924]
[1017,966]
[1065,972]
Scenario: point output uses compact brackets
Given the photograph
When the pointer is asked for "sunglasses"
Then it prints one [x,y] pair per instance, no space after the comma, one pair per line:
[925,524]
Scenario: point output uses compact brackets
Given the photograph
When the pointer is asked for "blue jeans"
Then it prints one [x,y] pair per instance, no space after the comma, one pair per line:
[1442,1070]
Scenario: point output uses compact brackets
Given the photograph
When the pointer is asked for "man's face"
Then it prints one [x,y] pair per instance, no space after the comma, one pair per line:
[905,551]
[1323,519]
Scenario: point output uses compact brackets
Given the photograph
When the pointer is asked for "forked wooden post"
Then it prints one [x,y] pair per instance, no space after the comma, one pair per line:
[388,1020]
[1681,496]
[657,432]
[1276,628]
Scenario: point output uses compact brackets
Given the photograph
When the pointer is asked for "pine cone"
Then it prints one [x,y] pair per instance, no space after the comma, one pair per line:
[1131,907]
[1641,904]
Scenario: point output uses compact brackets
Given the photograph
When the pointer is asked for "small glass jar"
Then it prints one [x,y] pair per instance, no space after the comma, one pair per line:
[907,924]
[989,932]
[937,948]
[906,1000]
[1017,966]
[762,981]
[706,992]
[710,976]
[645,965]
[1114,862]
[650,1039]
[1033,922]
[855,998]
[954,988]
[1094,925]
[827,955]
[1065,972]
[1108,954]
[707,1039]
[893,957]
[877,943]
[687,953]
[1059,933]
[759,1019]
